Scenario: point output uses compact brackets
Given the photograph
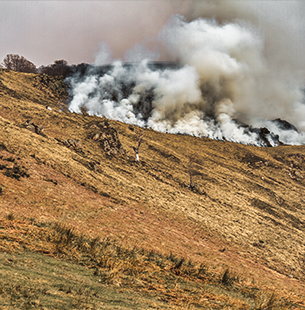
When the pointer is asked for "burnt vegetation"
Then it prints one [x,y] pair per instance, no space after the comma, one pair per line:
[16,172]
[52,84]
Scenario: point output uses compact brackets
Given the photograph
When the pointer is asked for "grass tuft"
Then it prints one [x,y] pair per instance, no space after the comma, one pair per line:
[228,277]
[10,217]
[267,302]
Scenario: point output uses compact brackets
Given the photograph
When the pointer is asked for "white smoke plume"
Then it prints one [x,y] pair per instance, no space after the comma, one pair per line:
[223,81]
[104,55]
[140,53]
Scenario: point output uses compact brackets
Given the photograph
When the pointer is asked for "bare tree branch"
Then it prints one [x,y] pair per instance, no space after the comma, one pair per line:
[136,149]
[192,171]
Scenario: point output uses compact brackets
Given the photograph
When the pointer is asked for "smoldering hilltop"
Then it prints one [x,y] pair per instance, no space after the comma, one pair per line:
[220,85]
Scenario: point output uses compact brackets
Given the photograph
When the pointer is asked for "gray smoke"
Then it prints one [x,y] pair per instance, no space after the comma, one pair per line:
[228,75]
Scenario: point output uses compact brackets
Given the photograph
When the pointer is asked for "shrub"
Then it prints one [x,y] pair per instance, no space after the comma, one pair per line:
[10,217]
[228,278]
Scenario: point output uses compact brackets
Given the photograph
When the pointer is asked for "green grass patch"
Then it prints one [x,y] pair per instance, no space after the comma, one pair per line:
[84,273]
[31,280]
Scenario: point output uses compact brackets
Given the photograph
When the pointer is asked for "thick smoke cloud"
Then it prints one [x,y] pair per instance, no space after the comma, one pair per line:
[226,78]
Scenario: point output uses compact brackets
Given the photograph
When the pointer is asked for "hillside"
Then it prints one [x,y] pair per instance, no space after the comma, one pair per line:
[66,177]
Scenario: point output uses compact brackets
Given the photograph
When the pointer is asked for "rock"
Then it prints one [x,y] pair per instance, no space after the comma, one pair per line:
[106,136]
[96,136]
[77,144]
[291,176]
[39,129]
[33,127]
[295,163]
[28,122]
[259,244]
[298,175]
[72,143]
[30,127]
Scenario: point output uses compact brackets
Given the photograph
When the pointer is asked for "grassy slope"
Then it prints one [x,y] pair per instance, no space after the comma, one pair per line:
[246,194]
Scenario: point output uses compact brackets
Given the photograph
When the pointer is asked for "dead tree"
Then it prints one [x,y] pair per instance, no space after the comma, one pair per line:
[192,172]
[136,149]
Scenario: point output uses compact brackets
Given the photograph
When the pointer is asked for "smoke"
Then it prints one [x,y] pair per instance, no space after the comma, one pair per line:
[104,55]
[225,84]
[140,52]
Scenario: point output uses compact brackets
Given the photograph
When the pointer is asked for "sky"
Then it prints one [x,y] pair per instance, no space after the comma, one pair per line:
[44,31]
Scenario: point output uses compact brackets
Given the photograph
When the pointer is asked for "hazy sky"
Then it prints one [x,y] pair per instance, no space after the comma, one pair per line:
[44,31]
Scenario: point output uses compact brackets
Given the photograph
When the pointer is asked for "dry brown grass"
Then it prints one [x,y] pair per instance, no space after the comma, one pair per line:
[168,278]
[248,213]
